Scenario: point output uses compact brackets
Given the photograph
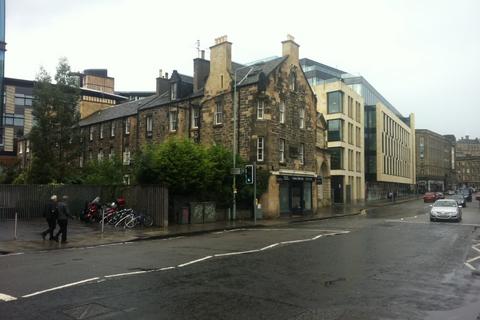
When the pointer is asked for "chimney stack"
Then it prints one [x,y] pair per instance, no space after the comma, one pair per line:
[290,48]
[163,85]
[219,78]
[202,54]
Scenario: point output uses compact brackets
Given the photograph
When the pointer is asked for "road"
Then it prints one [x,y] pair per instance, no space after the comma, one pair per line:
[389,264]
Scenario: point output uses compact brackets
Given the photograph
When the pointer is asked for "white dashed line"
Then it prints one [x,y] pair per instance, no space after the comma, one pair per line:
[473,259]
[60,287]
[194,261]
[6,297]
[11,254]
[103,278]
[470,266]
[127,274]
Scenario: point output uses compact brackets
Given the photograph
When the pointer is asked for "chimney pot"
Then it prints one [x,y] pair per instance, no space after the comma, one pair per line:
[203,54]
[160,73]
[166,75]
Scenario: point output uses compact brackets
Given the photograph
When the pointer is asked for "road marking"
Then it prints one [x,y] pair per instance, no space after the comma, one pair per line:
[476,249]
[470,266]
[164,269]
[60,287]
[103,278]
[11,254]
[6,297]
[194,261]
[127,274]
[473,259]
[269,247]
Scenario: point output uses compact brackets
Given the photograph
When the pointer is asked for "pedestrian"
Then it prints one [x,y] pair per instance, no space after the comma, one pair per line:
[50,213]
[63,215]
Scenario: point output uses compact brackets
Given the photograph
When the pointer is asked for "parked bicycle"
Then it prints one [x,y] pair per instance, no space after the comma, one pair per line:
[139,219]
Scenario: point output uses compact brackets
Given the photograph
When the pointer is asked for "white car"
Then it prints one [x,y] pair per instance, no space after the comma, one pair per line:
[446,209]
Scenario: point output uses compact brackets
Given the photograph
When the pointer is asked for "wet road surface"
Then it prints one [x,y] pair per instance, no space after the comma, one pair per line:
[392,263]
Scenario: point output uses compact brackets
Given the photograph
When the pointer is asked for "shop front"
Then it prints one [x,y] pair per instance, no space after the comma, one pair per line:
[296,194]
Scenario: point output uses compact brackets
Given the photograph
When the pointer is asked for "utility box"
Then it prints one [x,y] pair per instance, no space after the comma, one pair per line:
[203,212]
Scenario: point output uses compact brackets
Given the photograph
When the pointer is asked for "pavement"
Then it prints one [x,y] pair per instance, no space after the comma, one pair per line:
[85,235]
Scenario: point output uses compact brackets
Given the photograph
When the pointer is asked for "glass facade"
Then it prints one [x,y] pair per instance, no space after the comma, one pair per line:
[370,143]
[335,102]
[335,130]
[336,158]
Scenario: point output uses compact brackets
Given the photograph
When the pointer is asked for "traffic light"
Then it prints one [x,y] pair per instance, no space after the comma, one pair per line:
[249,174]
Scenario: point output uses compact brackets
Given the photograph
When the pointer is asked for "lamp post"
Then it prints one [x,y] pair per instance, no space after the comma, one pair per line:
[234,145]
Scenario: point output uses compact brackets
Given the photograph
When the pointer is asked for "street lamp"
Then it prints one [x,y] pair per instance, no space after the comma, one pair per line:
[235,112]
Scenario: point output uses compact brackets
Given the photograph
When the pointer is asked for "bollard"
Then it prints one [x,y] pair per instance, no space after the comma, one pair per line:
[15,229]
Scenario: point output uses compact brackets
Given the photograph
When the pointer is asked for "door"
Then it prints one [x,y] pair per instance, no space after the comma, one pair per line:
[296,197]
[337,188]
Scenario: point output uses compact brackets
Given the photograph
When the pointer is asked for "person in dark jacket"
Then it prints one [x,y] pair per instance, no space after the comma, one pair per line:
[50,214]
[63,215]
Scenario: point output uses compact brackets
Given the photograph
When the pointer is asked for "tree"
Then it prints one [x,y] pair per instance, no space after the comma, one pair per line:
[53,139]
[105,172]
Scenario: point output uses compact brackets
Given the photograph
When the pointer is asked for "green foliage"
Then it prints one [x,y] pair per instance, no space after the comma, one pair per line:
[53,139]
[9,174]
[105,172]
[191,169]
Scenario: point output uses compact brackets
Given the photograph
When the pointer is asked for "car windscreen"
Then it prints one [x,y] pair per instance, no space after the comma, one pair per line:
[445,204]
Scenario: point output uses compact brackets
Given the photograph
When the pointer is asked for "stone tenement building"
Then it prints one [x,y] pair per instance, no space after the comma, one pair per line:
[278,126]
[467,147]
[468,169]
[435,161]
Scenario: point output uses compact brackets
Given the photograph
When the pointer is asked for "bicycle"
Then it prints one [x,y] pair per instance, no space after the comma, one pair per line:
[137,219]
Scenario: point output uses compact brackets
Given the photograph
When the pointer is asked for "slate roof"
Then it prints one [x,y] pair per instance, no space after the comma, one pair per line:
[266,67]
[132,107]
[117,111]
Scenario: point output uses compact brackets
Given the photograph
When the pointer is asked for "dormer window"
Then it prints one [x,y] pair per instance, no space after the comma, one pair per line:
[173,91]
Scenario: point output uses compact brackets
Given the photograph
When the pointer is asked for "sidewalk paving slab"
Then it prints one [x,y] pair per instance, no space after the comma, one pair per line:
[83,235]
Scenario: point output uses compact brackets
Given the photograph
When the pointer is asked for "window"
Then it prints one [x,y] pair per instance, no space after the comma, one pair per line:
[358,136]
[126,156]
[219,113]
[149,126]
[350,133]
[127,125]
[357,111]
[101,131]
[335,102]
[350,160]
[27,149]
[172,116]
[350,107]
[335,130]
[301,113]
[112,129]
[260,109]
[20,147]
[91,133]
[81,135]
[195,117]
[293,81]
[100,155]
[173,91]
[260,149]
[336,155]
[81,161]
[358,162]
[282,112]
[281,150]
[111,154]
[301,153]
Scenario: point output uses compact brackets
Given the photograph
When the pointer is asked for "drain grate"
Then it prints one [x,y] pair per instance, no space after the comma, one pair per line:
[87,311]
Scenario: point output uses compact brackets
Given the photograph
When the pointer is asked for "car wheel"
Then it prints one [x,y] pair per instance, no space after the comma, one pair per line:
[432,219]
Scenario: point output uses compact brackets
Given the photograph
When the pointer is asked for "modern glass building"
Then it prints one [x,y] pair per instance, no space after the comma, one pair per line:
[389,137]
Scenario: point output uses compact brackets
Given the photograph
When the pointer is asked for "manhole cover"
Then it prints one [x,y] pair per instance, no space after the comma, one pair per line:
[87,311]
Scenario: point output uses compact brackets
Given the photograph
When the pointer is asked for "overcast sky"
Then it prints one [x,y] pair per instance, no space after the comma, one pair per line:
[423,56]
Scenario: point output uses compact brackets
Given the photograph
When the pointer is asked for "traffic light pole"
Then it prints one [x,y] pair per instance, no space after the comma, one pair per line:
[254,192]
